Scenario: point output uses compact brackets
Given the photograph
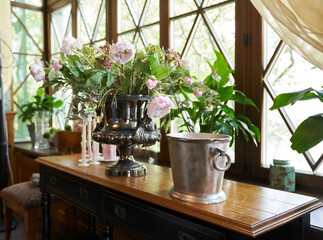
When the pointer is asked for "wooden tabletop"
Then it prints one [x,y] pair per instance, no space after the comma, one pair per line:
[28,149]
[249,209]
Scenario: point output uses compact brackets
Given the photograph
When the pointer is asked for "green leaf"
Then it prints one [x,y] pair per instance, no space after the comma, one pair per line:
[252,127]
[141,67]
[241,98]
[224,128]
[74,71]
[153,63]
[163,72]
[79,65]
[40,92]
[285,99]
[225,93]
[57,104]
[308,134]
[95,79]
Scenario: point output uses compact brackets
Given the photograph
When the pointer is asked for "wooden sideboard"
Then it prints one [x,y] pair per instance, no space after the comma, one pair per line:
[143,207]
[25,164]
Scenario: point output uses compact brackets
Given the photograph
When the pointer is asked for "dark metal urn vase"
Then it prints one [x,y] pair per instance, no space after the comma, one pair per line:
[125,123]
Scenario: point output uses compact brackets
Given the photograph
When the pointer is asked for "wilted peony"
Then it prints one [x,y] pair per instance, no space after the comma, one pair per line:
[188,81]
[197,92]
[69,43]
[122,52]
[151,82]
[159,107]
[37,71]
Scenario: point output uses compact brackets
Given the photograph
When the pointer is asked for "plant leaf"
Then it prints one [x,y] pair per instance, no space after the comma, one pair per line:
[285,99]
[308,134]
[163,72]
[241,98]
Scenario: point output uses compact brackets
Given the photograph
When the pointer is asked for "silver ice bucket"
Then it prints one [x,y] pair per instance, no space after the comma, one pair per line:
[198,162]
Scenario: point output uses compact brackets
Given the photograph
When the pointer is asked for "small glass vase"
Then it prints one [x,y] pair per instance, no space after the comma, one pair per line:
[41,127]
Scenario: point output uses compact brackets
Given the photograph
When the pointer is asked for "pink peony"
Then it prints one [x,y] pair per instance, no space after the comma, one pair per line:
[37,71]
[198,92]
[151,82]
[122,52]
[57,65]
[159,107]
[69,43]
[188,81]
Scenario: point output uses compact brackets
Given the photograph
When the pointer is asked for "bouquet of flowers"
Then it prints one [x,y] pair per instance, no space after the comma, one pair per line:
[93,73]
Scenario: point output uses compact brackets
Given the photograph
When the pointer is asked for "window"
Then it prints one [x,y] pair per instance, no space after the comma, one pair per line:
[193,28]
[27,42]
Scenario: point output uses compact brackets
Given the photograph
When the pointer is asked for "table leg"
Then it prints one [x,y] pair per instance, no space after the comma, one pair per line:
[46,216]
[91,227]
[107,231]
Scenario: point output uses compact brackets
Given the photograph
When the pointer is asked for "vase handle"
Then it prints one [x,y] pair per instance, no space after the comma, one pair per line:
[220,153]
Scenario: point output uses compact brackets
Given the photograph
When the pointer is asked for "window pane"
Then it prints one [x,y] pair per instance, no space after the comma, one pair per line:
[292,73]
[271,40]
[25,93]
[182,6]
[60,23]
[277,144]
[199,52]
[223,21]
[33,23]
[125,20]
[152,14]
[180,29]
[152,34]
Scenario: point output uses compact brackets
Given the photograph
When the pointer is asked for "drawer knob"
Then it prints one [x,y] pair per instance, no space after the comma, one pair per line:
[52,180]
[84,194]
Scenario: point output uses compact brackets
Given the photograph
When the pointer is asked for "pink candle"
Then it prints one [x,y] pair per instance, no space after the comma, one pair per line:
[89,150]
[109,151]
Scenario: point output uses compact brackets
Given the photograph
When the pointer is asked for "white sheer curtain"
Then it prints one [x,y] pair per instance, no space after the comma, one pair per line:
[299,23]
[6,53]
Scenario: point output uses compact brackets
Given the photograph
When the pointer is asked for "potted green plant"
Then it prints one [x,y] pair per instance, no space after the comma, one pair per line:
[309,133]
[42,102]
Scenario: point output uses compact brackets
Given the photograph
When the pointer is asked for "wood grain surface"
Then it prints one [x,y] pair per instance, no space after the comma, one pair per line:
[249,209]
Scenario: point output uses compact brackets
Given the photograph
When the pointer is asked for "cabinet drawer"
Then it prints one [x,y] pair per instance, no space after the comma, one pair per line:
[77,191]
[152,222]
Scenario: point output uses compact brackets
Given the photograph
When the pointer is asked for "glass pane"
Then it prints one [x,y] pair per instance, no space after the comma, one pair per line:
[37,3]
[56,44]
[180,29]
[125,20]
[60,19]
[271,40]
[182,6]
[102,28]
[128,37]
[152,13]
[152,34]
[33,22]
[213,2]
[91,10]
[200,51]
[277,144]
[25,93]
[223,20]
[83,35]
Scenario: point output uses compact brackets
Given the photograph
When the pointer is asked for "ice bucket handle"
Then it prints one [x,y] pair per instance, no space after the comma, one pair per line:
[217,153]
